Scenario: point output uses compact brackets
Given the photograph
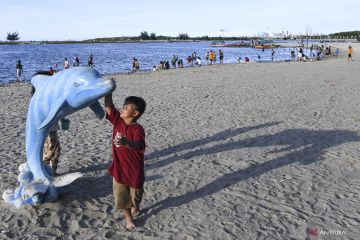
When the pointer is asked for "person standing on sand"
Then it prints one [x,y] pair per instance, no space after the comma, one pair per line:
[221,56]
[76,62]
[174,60]
[189,61]
[180,63]
[137,65]
[66,63]
[90,61]
[19,70]
[198,61]
[127,167]
[211,57]
[350,51]
[56,69]
[207,57]
[133,64]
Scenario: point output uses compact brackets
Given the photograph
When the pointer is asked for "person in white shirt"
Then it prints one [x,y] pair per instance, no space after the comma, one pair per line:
[198,61]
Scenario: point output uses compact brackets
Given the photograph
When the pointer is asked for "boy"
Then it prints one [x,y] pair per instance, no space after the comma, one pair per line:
[127,167]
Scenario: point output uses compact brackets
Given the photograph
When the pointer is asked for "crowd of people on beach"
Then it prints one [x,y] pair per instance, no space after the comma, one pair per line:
[212,57]
[191,60]
[66,65]
[317,52]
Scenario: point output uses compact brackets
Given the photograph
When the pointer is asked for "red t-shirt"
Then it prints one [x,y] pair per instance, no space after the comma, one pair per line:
[127,166]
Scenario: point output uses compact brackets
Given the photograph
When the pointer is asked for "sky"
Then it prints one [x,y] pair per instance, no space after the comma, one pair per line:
[87,19]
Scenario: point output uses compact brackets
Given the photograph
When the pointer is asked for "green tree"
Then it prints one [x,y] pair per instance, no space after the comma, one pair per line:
[13,36]
[183,36]
[152,36]
[206,38]
[144,35]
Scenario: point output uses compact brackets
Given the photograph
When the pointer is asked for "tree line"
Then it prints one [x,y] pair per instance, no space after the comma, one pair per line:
[144,35]
[346,35]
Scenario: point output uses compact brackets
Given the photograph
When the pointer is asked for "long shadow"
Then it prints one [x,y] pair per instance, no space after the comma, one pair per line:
[289,139]
[183,146]
[312,144]
[216,137]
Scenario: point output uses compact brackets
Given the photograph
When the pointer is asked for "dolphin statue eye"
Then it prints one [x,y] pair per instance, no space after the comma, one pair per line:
[76,84]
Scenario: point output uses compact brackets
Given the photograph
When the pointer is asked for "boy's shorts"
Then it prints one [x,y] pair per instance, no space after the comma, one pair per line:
[126,197]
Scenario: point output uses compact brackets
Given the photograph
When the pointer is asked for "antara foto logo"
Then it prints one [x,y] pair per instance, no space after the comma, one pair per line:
[313,232]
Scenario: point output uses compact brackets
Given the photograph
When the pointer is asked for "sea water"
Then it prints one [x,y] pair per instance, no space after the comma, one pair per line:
[111,58]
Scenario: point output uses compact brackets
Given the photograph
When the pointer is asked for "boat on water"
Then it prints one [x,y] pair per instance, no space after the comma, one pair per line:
[239,44]
[236,44]
[265,44]
[218,43]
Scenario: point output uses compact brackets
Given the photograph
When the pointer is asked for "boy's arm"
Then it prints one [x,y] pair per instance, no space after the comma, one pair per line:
[132,145]
[108,103]
[123,141]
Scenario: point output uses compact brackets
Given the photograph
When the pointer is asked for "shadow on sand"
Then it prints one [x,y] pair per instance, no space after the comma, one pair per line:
[306,146]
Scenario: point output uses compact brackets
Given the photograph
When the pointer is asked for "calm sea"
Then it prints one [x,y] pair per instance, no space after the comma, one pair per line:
[116,57]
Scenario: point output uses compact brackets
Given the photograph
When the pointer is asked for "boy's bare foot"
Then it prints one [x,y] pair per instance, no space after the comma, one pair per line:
[130,226]
[135,212]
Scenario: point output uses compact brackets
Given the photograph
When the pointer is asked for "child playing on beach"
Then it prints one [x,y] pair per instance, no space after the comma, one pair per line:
[127,167]
[52,149]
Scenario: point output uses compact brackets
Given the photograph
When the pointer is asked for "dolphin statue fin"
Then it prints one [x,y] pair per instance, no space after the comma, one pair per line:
[52,114]
[97,109]
[66,179]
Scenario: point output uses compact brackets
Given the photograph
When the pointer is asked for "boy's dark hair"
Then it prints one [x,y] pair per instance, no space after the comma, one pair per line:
[47,73]
[138,102]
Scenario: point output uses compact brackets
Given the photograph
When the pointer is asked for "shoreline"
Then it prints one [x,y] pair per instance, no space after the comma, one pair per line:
[163,40]
[149,71]
[113,66]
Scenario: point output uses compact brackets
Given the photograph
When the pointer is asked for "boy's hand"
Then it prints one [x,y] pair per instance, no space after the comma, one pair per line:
[114,83]
[120,140]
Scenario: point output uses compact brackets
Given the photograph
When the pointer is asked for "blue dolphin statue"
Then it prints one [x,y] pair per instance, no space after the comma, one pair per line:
[55,97]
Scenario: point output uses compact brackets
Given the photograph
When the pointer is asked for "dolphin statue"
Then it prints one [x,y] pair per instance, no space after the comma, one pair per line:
[55,97]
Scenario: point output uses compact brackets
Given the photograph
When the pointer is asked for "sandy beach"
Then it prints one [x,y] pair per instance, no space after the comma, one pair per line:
[242,151]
